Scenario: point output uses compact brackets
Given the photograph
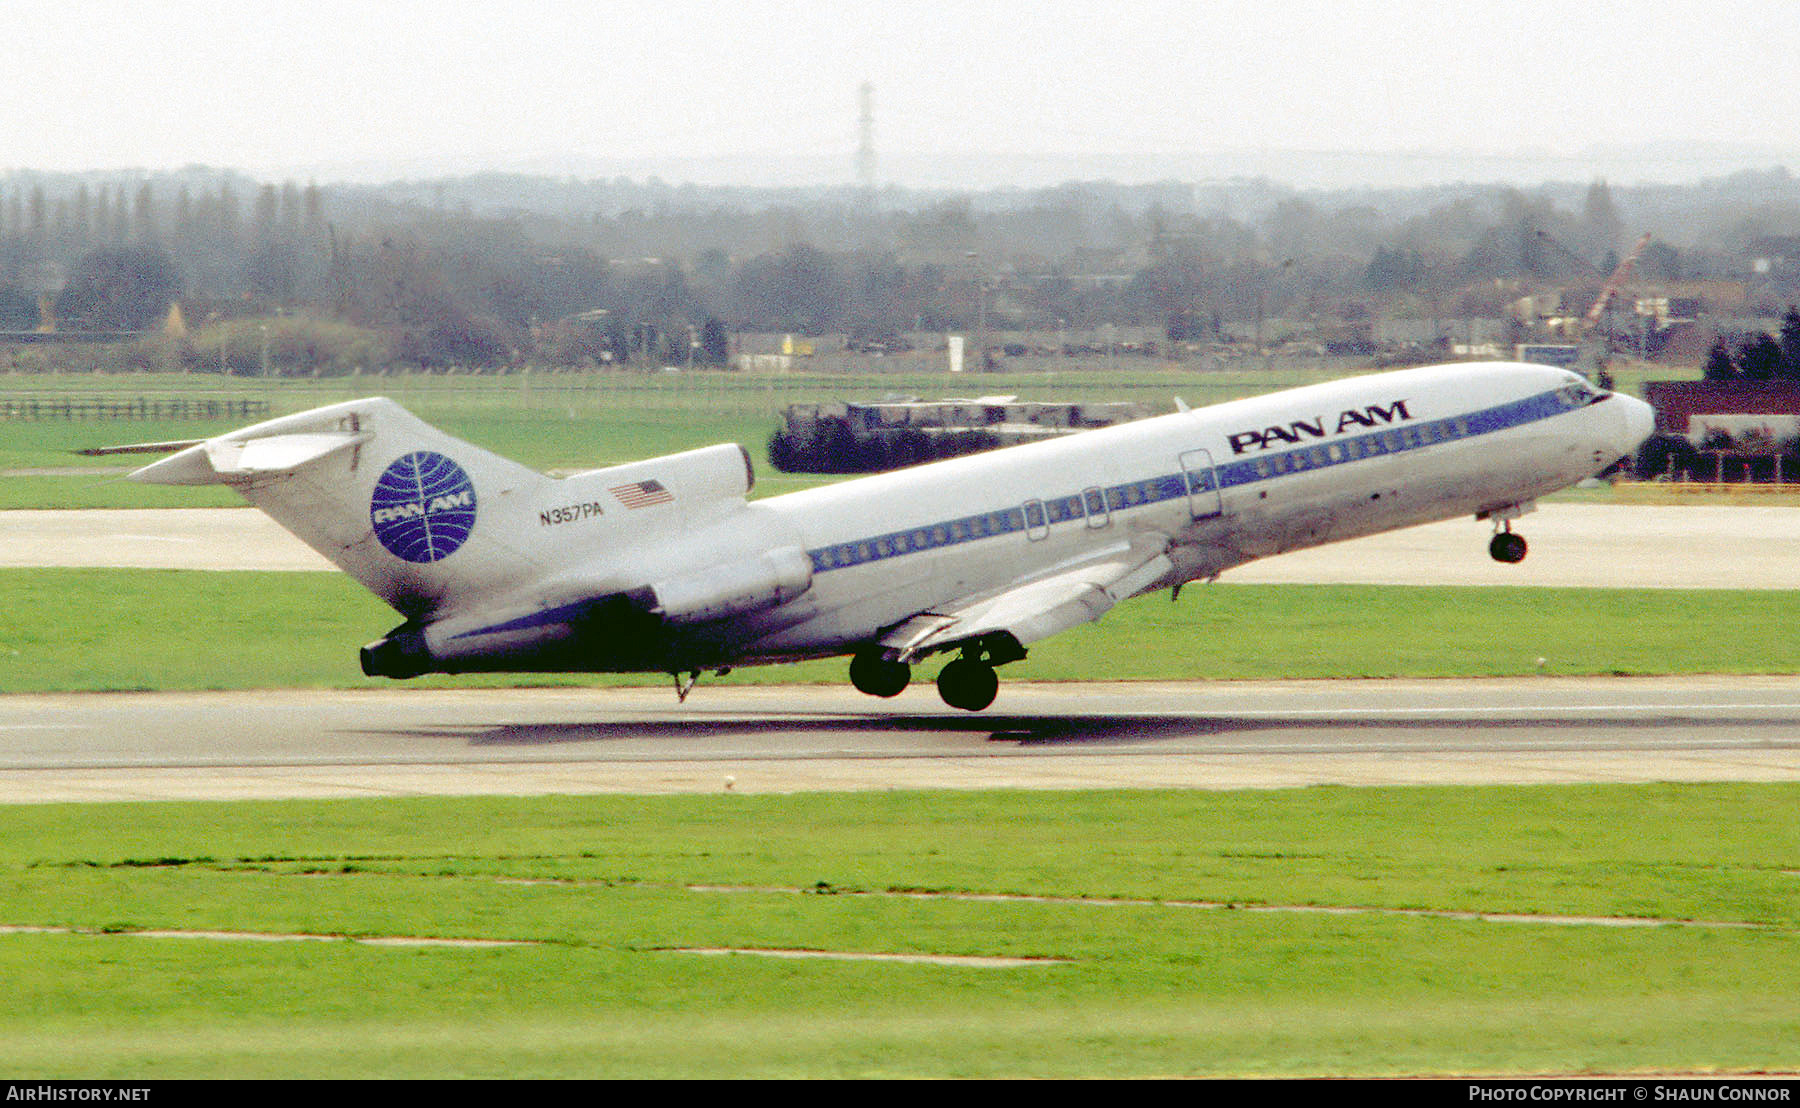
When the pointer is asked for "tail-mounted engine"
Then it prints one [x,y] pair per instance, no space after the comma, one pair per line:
[738,588]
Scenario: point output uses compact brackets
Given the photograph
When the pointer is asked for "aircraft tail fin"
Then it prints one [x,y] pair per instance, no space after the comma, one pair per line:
[418,516]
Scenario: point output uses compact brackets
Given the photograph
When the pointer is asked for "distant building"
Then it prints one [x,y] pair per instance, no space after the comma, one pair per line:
[1777,255]
[1562,355]
[1678,402]
[853,437]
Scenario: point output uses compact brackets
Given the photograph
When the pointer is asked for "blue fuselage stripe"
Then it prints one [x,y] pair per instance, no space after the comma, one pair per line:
[1069,507]
[1096,504]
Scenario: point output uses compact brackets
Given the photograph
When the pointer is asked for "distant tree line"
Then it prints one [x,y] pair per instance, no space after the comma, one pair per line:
[492,271]
[1760,357]
[1755,358]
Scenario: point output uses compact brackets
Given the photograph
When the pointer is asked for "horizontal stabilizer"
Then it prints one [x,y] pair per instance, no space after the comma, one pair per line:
[241,461]
[140,448]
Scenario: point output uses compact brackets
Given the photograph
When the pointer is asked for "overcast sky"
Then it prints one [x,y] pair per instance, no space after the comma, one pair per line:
[384,87]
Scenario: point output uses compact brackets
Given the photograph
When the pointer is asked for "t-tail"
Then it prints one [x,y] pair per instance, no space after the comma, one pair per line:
[443,530]
[383,495]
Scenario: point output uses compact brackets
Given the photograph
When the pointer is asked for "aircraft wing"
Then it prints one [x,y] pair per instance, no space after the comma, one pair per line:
[1069,595]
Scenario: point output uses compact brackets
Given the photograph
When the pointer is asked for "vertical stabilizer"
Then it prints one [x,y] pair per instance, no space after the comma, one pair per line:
[421,518]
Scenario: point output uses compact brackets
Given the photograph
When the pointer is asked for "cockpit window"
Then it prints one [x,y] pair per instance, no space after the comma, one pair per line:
[1579,393]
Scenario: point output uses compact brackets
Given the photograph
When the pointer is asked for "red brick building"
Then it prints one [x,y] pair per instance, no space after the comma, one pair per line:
[1677,401]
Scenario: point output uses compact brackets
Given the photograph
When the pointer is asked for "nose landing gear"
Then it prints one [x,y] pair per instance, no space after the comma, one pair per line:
[1507,547]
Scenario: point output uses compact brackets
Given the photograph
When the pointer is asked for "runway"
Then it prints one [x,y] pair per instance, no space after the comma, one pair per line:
[781,739]
[1585,545]
[1226,735]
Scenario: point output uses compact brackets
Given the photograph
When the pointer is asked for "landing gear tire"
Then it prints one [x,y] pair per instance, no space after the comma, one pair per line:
[1507,547]
[875,675]
[968,685]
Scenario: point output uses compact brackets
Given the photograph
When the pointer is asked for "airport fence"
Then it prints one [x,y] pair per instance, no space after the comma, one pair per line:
[130,408]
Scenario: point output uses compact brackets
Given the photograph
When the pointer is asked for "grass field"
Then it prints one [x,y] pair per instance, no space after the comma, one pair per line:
[1111,900]
[95,629]
[609,890]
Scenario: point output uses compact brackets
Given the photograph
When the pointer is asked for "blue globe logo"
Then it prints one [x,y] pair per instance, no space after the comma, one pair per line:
[423,508]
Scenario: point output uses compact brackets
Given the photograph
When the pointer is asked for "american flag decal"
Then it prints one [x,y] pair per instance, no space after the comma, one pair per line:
[642,494]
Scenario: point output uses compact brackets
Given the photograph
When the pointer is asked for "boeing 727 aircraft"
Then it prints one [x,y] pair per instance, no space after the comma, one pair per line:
[664,566]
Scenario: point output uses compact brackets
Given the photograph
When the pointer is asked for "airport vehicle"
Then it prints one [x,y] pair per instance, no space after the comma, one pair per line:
[665,566]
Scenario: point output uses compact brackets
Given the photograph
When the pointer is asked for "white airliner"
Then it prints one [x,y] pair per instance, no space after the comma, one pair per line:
[664,566]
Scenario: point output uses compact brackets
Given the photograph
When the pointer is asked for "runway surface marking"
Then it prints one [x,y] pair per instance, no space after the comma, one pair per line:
[266,937]
[1208,905]
[855,956]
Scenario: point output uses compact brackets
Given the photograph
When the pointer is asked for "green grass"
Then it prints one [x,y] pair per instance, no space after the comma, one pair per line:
[99,629]
[1148,989]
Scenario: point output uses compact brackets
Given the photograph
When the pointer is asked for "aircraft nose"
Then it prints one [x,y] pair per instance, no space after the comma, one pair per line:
[1638,420]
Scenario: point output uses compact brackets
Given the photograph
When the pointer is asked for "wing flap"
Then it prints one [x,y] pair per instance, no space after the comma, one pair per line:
[1036,609]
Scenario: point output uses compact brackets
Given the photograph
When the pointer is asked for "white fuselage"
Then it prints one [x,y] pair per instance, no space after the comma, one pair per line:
[1226,484]
[664,565]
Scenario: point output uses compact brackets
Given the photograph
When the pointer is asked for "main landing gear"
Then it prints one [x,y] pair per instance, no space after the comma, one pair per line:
[968,682]
[875,675]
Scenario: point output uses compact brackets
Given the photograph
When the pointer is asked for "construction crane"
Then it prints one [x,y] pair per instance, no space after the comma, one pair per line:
[1616,281]
[1613,284]
[1621,275]
[1556,244]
